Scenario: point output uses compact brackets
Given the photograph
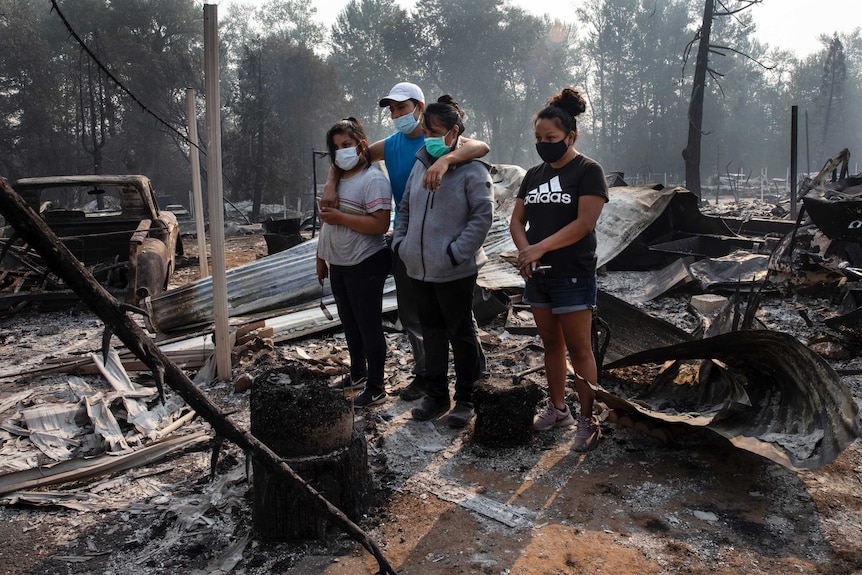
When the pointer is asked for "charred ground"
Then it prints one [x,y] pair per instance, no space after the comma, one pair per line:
[445,504]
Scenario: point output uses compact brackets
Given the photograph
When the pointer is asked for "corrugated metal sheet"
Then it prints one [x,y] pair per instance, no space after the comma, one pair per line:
[630,211]
[775,398]
[289,278]
[282,280]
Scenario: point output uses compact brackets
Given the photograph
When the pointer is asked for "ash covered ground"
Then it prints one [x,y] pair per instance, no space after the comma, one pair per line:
[445,504]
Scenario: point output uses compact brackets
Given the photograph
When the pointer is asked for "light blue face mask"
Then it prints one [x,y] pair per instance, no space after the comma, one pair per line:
[346,158]
[406,123]
[436,146]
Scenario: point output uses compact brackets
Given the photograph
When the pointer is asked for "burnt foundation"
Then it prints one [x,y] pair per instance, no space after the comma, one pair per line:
[311,427]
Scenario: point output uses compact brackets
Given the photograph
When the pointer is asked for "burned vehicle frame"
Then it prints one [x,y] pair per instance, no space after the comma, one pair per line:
[111,223]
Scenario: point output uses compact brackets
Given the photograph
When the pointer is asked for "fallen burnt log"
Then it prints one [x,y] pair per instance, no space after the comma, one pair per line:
[762,390]
[30,227]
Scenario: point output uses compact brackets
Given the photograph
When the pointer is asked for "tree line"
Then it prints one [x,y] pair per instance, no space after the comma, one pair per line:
[286,79]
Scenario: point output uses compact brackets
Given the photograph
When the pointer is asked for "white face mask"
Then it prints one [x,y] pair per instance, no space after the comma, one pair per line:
[346,158]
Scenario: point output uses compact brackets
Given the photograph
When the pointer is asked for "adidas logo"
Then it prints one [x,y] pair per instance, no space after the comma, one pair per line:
[548,193]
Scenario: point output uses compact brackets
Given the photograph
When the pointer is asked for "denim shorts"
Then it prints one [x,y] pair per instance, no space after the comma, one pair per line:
[561,295]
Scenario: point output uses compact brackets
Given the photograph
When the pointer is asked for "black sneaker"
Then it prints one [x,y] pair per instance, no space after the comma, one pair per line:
[415,389]
[430,408]
[369,397]
[461,414]
[347,383]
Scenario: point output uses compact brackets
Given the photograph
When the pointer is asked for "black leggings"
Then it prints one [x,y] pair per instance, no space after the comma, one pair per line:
[358,292]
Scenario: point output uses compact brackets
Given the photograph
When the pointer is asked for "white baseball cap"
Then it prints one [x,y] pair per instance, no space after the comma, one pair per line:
[403,91]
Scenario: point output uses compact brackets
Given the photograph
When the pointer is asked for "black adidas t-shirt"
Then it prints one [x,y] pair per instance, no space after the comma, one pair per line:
[551,201]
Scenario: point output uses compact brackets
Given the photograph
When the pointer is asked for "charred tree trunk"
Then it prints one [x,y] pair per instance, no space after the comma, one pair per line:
[691,153]
[61,261]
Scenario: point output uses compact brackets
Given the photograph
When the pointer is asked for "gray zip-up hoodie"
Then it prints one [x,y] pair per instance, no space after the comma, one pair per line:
[439,235]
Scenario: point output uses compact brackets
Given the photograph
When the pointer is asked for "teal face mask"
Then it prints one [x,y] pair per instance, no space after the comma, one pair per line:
[436,145]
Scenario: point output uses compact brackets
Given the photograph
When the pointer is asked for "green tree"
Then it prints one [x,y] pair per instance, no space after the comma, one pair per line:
[652,132]
[94,109]
[610,46]
[286,98]
[37,131]
[291,20]
[631,64]
[801,83]
[832,95]
[736,104]
[59,97]
[279,97]
[155,49]
[498,61]
[255,144]
[371,50]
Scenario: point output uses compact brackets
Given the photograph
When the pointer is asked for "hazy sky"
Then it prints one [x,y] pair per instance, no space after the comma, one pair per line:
[790,24]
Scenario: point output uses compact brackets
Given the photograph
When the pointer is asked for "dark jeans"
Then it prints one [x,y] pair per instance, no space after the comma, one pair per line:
[408,313]
[446,314]
[358,292]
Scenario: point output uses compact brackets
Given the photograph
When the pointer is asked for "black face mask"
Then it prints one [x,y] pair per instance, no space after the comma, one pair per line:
[552,151]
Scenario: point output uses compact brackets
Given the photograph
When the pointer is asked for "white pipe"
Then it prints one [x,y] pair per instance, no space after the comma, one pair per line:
[197,197]
[215,194]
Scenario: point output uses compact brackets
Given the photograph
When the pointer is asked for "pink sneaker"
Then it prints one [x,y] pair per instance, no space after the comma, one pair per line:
[588,435]
[552,417]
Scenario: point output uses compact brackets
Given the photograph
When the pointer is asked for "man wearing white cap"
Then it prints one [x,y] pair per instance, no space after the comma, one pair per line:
[398,151]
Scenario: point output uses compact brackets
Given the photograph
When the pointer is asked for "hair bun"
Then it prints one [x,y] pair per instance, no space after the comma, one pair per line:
[448,100]
[570,100]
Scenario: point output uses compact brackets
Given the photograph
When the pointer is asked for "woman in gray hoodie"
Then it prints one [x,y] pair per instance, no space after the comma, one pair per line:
[439,236]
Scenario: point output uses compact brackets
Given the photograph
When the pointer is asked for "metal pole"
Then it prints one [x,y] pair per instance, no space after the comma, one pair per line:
[794,131]
[807,151]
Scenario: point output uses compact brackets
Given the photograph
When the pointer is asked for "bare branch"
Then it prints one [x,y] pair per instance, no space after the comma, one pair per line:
[714,73]
[731,11]
[716,77]
[688,49]
[714,47]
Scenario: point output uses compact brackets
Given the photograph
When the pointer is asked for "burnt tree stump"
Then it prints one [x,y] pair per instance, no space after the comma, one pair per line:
[296,415]
[504,411]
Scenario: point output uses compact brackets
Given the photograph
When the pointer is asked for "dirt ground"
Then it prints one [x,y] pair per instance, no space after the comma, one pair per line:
[446,504]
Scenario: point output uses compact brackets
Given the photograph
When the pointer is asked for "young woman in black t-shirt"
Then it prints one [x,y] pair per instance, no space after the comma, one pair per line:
[553,226]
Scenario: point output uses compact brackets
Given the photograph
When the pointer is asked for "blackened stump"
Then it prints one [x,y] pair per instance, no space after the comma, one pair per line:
[294,412]
[297,416]
[504,411]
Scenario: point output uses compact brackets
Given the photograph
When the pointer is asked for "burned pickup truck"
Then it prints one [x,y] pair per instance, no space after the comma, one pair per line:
[112,224]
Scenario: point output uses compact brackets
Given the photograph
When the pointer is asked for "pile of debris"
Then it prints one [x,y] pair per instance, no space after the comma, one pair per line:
[651,229]
[729,370]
